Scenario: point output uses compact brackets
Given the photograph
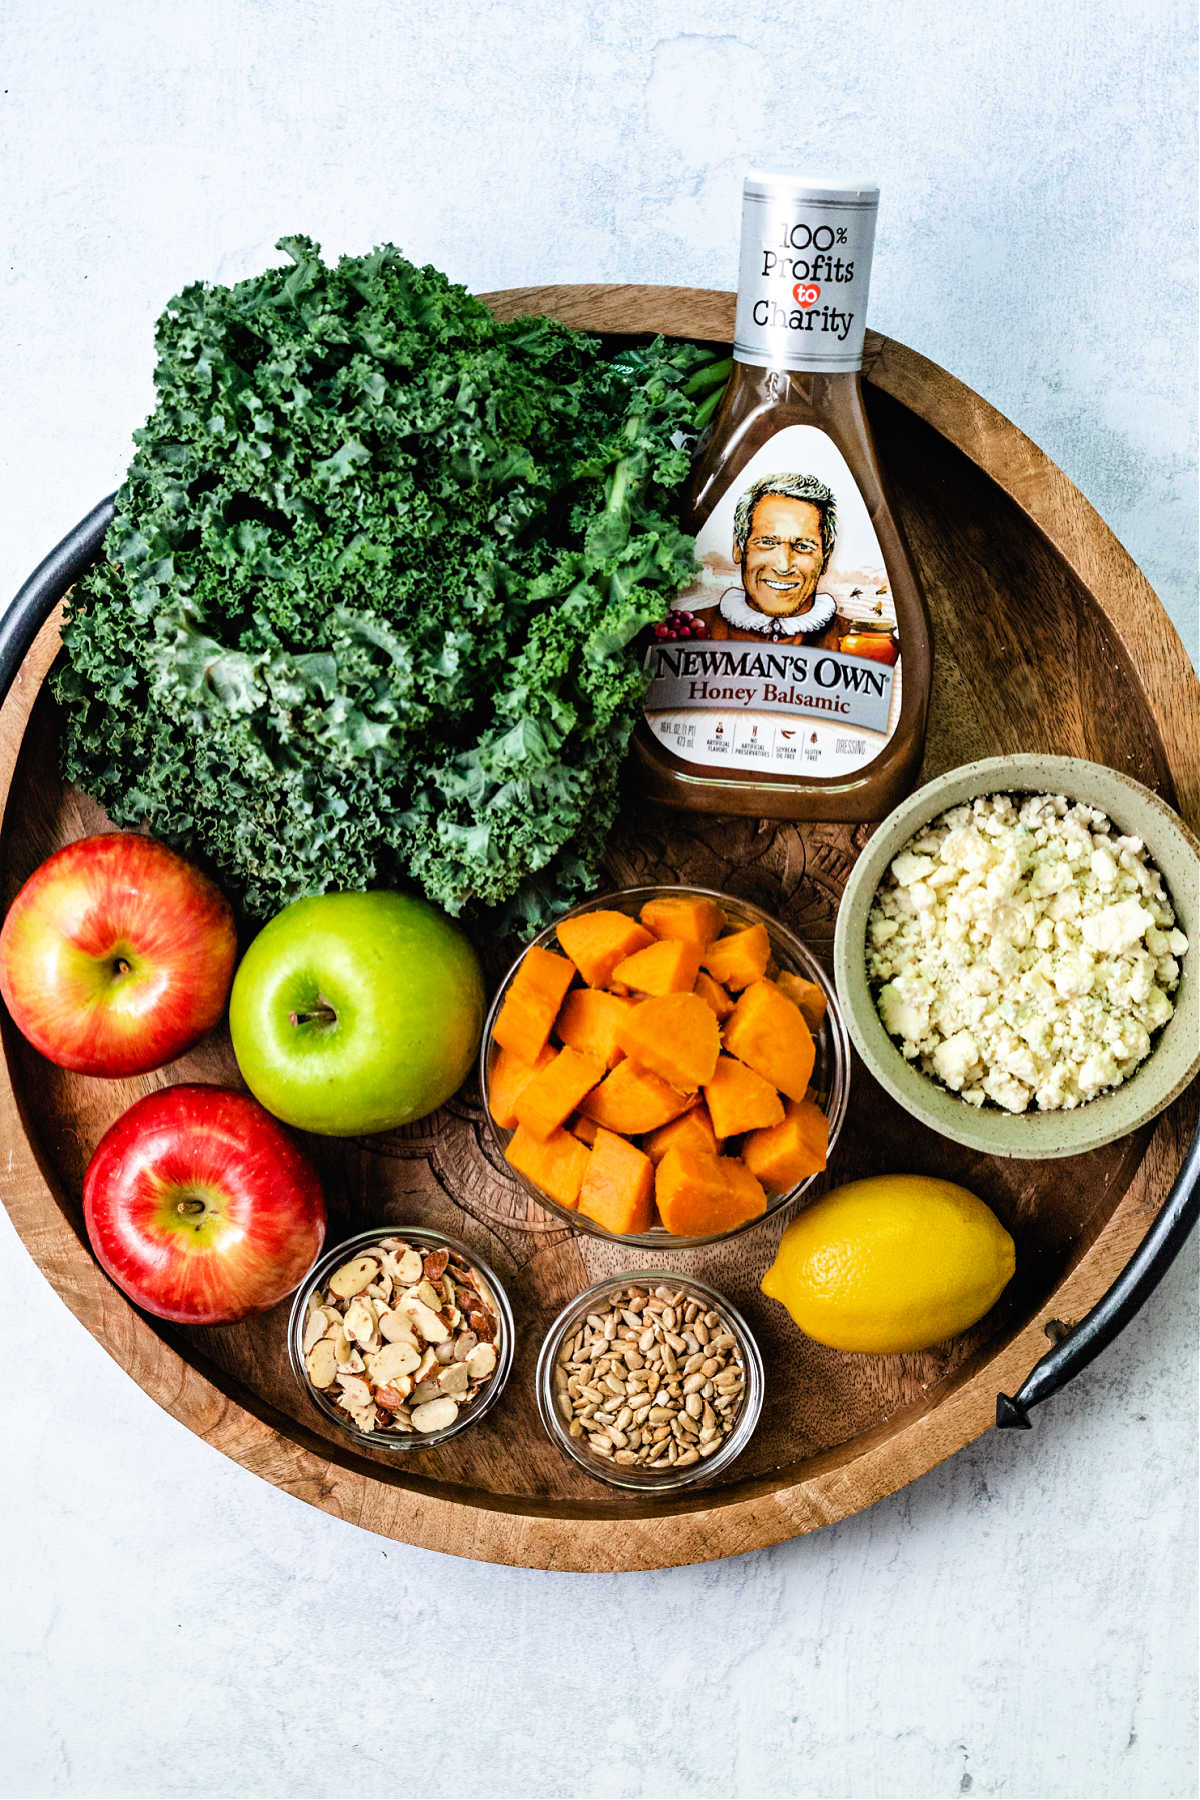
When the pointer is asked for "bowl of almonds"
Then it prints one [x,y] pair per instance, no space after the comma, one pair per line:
[650,1381]
[401,1336]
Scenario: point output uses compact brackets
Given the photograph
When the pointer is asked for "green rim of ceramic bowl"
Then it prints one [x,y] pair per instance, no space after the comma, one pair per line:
[1174,1059]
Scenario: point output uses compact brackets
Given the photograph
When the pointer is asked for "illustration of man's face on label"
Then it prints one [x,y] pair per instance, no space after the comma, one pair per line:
[784,531]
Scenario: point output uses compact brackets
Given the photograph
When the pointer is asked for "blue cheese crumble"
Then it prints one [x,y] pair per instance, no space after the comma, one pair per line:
[1022,952]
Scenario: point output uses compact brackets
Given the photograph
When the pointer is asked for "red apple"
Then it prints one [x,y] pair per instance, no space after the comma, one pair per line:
[201,1207]
[116,955]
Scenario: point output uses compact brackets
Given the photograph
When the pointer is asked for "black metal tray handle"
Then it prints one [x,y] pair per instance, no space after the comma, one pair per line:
[1074,1350]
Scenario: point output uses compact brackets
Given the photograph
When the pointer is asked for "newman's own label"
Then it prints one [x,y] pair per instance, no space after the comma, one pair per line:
[798,670]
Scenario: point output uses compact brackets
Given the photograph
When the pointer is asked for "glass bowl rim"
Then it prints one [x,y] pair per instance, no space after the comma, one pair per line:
[659,1239]
[652,1481]
[401,1442]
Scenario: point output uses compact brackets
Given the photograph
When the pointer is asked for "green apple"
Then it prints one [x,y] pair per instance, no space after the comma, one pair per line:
[353,1013]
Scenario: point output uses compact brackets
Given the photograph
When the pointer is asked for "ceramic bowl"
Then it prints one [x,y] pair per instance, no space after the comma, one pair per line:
[1174,1058]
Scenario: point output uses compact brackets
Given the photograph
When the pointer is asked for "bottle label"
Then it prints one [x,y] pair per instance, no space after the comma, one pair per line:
[783,657]
[803,277]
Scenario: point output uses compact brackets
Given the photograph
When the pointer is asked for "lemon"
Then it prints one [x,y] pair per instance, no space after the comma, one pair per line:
[896,1262]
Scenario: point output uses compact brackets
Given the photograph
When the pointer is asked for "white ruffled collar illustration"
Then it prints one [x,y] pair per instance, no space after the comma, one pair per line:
[737,611]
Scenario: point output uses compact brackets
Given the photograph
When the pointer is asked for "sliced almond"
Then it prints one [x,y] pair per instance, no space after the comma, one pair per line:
[427,1365]
[454,1378]
[355,1391]
[464,1343]
[396,1328]
[409,1267]
[392,1361]
[363,1416]
[393,1397]
[316,1326]
[435,1264]
[354,1276]
[432,1296]
[481,1362]
[424,1391]
[321,1363]
[353,1363]
[362,1322]
[428,1325]
[435,1415]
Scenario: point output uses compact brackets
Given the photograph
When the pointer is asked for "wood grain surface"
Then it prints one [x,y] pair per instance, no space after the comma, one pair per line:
[1046,637]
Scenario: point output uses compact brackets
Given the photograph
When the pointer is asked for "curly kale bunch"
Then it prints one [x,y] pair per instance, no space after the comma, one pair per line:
[366,605]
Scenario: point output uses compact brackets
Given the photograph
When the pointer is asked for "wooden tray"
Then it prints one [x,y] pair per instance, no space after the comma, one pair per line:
[1047,637]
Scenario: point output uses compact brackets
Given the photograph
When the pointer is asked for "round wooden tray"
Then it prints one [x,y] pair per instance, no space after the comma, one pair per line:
[1047,637]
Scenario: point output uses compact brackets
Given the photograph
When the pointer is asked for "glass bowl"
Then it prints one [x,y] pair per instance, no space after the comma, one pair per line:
[681,1292]
[830,1078]
[424,1240]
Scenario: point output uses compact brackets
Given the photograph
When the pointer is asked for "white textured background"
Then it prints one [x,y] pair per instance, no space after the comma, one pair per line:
[1021,1622]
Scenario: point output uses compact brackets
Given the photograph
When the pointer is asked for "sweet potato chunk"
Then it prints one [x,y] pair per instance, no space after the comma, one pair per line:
[618,1186]
[532,1003]
[690,1131]
[740,958]
[588,1022]
[687,916]
[667,967]
[506,1078]
[556,1090]
[738,1099]
[633,1100]
[699,1194]
[556,1164]
[714,995]
[597,941]
[675,1035]
[806,995]
[767,1032]
[784,1154]
[583,1128]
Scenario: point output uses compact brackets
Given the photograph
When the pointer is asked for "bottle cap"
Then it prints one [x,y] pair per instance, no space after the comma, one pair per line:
[805,271]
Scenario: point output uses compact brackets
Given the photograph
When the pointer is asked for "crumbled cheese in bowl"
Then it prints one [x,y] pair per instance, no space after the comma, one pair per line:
[1022,952]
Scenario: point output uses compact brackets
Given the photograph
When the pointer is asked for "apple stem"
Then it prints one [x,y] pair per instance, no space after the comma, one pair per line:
[321,1014]
[190,1208]
[121,967]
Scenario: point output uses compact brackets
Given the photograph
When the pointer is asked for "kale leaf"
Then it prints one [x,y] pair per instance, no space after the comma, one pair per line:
[366,608]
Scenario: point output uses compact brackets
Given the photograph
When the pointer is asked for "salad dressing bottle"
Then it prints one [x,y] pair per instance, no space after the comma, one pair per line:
[793,681]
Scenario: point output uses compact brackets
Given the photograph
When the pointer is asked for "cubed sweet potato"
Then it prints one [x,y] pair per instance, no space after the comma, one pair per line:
[738,1099]
[506,1078]
[597,941]
[532,1003]
[688,916]
[556,1164]
[787,1153]
[742,957]
[633,1100]
[588,1023]
[714,995]
[668,966]
[699,1194]
[675,1035]
[556,1090]
[583,1128]
[806,995]
[692,1130]
[618,1186]
[768,1032]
